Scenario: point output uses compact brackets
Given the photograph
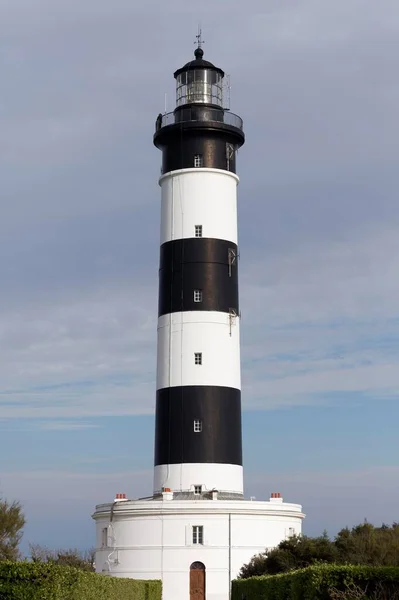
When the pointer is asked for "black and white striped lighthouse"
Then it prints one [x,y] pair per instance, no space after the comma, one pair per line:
[198,445]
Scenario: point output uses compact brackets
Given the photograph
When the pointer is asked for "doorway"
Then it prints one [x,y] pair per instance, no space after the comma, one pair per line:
[197,581]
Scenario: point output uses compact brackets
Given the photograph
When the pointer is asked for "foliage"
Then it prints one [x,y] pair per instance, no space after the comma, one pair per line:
[359,592]
[322,582]
[47,581]
[69,558]
[12,521]
[361,545]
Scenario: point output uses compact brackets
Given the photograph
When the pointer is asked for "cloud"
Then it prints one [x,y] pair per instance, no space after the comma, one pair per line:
[65,425]
[323,322]
[79,227]
[312,324]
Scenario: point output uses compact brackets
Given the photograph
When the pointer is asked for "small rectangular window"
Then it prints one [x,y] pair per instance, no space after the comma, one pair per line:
[104,537]
[198,231]
[198,358]
[197,489]
[291,532]
[197,426]
[197,295]
[198,534]
[198,160]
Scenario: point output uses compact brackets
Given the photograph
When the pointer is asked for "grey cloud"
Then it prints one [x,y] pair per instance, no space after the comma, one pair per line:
[80,204]
[311,325]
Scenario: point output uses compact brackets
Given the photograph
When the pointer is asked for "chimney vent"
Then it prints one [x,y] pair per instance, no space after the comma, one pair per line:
[276,496]
[120,497]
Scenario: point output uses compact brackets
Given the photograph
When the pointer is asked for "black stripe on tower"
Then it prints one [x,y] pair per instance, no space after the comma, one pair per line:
[217,409]
[214,151]
[200,130]
[204,265]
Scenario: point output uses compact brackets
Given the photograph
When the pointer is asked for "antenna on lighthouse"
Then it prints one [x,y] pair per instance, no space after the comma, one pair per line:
[198,38]
[227,92]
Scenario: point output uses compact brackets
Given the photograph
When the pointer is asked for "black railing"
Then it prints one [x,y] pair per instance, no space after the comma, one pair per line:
[199,113]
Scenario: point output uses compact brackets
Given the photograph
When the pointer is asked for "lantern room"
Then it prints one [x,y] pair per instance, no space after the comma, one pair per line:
[199,82]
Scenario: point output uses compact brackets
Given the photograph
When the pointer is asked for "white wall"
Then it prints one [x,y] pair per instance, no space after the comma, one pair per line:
[154,540]
[206,197]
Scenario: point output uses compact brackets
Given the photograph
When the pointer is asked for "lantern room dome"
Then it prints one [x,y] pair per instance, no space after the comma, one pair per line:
[198,63]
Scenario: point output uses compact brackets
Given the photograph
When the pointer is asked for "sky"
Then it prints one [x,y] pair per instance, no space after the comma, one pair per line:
[317,86]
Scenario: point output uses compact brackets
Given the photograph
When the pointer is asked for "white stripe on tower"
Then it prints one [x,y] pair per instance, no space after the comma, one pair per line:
[206,197]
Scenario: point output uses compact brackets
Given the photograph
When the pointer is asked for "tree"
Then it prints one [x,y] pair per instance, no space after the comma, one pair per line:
[369,545]
[83,560]
[294,553]
[12,521]
[364,544]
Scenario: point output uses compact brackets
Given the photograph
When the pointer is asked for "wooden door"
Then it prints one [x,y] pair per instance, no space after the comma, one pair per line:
[197,581]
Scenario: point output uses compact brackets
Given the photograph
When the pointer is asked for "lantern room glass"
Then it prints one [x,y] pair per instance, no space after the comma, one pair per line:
[203,86]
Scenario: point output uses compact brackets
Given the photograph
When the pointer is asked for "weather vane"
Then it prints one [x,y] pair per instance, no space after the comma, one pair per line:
[199,41]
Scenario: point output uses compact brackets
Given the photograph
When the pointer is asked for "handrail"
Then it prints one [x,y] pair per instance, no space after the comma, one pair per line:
[194,115]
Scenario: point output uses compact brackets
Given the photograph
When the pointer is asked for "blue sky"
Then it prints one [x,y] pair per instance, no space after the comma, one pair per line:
[316,85]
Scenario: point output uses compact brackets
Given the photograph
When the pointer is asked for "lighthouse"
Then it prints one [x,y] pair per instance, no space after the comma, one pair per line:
[198,401]
[196,529]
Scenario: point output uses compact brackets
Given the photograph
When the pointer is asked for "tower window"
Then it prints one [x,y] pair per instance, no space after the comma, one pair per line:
[198,358]
[198,160]
[198,534]
[198,231]
[197,295]
[197,489]
[104,537]
[197,426]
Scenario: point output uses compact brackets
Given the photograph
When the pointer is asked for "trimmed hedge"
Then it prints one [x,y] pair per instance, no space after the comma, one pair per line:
[38,581]
[316,583]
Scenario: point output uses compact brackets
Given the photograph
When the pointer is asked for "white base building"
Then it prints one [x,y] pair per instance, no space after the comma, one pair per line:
[196,547]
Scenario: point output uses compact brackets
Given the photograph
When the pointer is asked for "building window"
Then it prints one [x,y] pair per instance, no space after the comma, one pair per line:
[198,231]
[291,532]
[197,426]
[198,358]
[198,534]
[197,295]
[104,537]
[197,489]
[198,160]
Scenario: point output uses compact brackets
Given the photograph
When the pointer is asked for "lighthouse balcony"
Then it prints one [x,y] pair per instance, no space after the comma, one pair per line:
[199,114]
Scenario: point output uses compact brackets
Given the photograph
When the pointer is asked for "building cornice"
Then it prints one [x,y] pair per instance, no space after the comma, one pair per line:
[195,507]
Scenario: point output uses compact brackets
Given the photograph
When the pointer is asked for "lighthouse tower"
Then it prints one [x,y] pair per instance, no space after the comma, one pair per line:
[197,529]
[198,409]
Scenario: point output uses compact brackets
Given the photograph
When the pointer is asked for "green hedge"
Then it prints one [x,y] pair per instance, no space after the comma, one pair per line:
[37,581]
[317,583]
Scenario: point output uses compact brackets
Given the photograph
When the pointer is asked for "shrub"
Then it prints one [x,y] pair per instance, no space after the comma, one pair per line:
[38,581]
[321,582]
